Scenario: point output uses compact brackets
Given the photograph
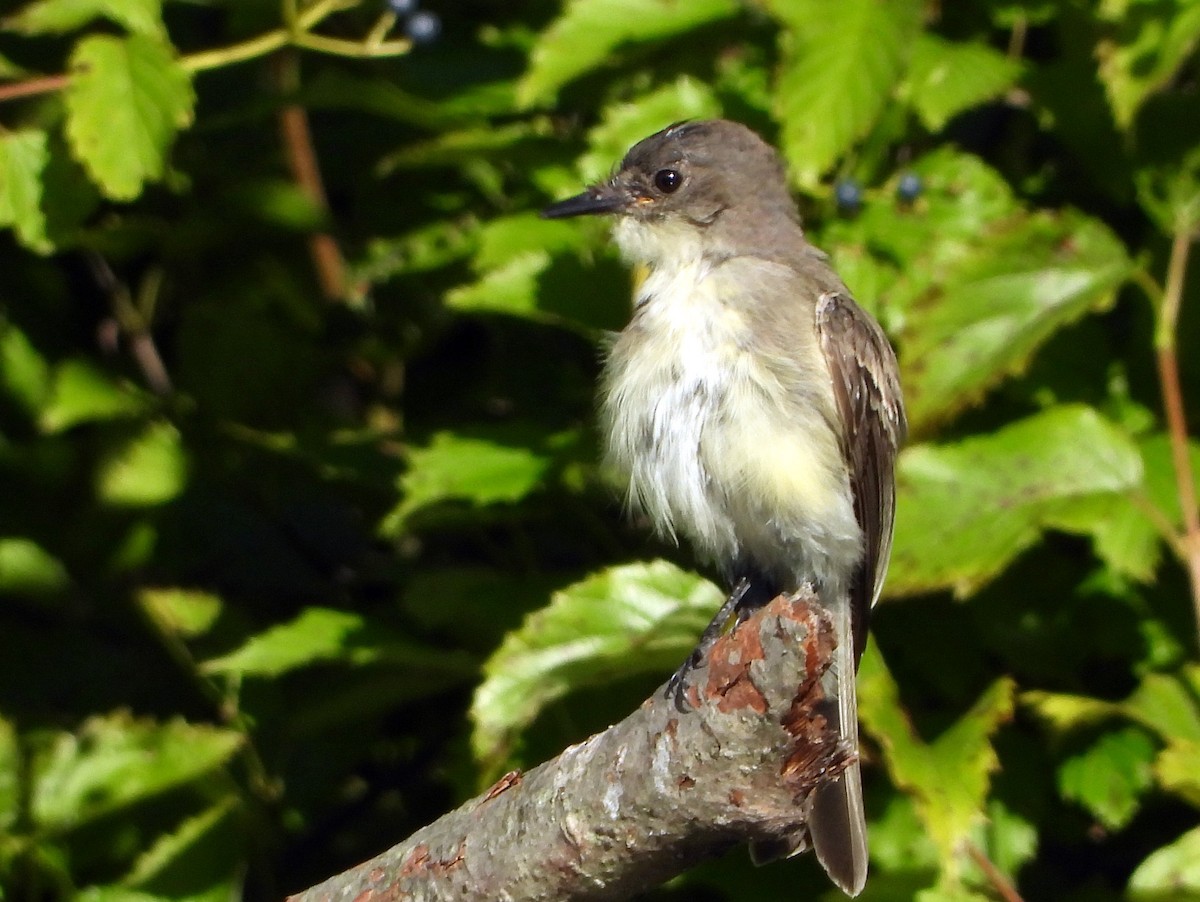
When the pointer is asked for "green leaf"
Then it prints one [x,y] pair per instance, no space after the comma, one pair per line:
[965,510]
[149,469]
[1177,769]
[588,33]
[197,861]
[949,777]
[61,16]
[947,77]
[1144,51]
[983,320]
[115,761]
[126,100]
[24,373]
[424,249]
[479,471]
[23,159]
[83,394]
[28,569]
[323,636]
[631,619]
[1109,778]
[840,64]
[182,612]
[1171,874]
[624,124]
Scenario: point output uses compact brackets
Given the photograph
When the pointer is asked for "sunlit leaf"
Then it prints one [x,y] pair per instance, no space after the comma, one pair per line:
[325,636]
[947,77]
[126,100]
[1171,874]
[1144,52]
[23,158]
[198,860]
[629,619]
[588,32]
[1110,776]
[81,394]
[27,568]
[966,510]
[59,16]
[149,469]
[947,777]
[840,64]
[1177,769]
[116,761]
[183,612]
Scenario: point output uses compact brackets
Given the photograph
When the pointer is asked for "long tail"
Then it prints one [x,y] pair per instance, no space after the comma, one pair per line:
[837,824]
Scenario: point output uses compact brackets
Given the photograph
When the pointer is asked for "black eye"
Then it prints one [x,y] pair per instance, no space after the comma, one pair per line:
[667,180]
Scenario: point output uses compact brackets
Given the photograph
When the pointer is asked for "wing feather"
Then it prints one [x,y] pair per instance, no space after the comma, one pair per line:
[866,387]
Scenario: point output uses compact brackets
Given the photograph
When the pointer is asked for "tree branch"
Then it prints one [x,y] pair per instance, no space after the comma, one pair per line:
[649,797]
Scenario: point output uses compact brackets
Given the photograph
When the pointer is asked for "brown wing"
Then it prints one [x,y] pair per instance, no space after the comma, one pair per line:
[867,388]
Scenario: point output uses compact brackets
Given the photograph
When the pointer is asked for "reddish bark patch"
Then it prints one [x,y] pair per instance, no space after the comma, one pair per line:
[503,785]
[686,782]
[737,798]
[729,672]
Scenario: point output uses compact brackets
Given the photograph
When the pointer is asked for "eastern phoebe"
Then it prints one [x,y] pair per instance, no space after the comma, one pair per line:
[754,408]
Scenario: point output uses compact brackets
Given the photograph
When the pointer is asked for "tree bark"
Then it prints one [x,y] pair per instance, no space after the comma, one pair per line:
[650,796]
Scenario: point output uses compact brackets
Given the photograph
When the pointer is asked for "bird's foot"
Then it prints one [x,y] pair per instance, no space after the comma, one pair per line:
[677,685]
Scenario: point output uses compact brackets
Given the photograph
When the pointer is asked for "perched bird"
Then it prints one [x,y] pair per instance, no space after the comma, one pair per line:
[754,408]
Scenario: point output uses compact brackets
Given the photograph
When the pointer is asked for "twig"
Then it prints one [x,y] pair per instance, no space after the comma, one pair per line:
[296,33]
[1007,891]
[302,161]
[648,797]
[1168,370]
[136,327]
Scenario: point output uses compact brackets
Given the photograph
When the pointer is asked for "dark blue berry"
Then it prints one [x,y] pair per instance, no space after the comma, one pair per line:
[909,187]
[423,27]
[402,7]
[848,195]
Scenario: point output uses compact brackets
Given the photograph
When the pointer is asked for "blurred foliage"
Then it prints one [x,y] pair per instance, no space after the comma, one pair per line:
[291,565]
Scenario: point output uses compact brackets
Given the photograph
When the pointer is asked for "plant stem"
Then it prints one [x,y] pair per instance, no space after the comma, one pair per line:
[301,157]
[1168,370]
[1007,891]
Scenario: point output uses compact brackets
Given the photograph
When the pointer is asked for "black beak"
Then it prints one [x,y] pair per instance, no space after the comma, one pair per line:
[598,199]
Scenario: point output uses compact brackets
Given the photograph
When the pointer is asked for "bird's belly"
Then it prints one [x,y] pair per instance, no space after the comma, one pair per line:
[713,450]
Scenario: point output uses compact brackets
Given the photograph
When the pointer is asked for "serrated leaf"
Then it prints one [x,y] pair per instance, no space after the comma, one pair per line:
[588,33]
[1004,298]
[182,612]
[327,636]
[23,158]
[947,77]
[82,394]
[116,761]
[1144,52]
[624,124]
[1170,874]
[949,777]
[126,100]
[61,16]
[197,860]
[28,569]
[624,620]
[149,469]
[1110,776]
[965,510]
[840,62]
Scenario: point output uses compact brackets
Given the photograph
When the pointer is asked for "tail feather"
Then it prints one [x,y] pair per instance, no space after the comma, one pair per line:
[837,823]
